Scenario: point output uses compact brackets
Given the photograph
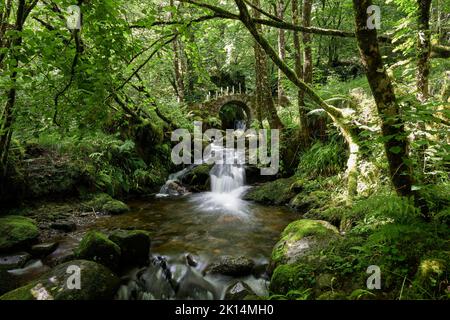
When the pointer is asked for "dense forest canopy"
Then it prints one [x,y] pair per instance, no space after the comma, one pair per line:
[91,91]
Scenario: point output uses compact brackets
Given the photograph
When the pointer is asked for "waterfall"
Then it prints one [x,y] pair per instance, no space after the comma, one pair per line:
[227,177]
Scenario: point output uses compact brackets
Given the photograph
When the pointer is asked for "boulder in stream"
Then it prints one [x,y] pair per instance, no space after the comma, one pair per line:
[238,291]
[96,246]
[134,246]
[232,266]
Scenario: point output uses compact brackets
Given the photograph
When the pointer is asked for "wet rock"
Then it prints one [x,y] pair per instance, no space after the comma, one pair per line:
[193,286]
[8,262]
[190,260]
[238,291]
[174,188]
[96,246]
[14,261]
[43,249]
[17,232]
[232,266]
[65,226]
[96,283]
[134,246]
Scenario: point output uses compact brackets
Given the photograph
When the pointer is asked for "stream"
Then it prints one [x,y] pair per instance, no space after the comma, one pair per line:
[189,232]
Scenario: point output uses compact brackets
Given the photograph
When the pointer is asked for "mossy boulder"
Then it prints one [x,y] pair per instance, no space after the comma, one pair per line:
[288,277]
[96,283]
[103,202]
[301,236]
[134,246]
[303,202]
[115,207]
[17,232]
[276,192]
[198,178]
[96,246]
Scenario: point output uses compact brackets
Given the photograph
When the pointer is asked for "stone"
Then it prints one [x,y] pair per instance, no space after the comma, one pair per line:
[96,283]
[232,266]
[96,246]
[16,233]
[134,246]
[198,178]
[277,192]
[65,226]
[299,237]
[14,261]
[238,291]
[43,249]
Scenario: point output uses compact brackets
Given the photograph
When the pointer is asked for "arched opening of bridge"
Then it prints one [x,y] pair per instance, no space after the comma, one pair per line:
[235,115]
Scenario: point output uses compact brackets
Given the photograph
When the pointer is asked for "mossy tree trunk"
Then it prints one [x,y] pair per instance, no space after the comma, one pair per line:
[281,48]
[394,135]
[335,114]
[263,92]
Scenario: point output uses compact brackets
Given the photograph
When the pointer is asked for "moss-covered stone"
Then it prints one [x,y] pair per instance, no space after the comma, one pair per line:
[134,246]
[96,246]
[303,202]
[17,232]
[103,202]
[277,192]
[288,277]
[198,178]
[96,283]
[300,236]
[115,207]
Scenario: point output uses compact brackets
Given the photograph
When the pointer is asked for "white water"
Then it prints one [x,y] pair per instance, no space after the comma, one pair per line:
[227,181]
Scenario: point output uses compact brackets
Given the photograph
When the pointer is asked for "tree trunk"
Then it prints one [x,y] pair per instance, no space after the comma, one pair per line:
[335,114]
[394,135]
[7,116]
[281,49]
[177,65]
[303,120]
[263,92]
[423,49]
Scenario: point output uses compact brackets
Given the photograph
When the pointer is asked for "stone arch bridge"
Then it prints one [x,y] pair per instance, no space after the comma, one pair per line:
[214,103]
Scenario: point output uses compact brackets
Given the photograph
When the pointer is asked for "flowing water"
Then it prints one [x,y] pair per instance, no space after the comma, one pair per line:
[204,226]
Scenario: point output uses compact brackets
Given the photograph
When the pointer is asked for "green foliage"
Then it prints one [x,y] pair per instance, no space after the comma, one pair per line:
[324,159]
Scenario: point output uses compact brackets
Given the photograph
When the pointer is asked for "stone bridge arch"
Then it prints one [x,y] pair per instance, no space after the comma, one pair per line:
[246,101]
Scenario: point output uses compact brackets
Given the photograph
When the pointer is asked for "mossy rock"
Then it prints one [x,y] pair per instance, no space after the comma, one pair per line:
[115,207]
[299,237]
[303,202]
[277,192]
[96,246]
[96,283]
[134,246]
[17,232]
[289,277]
[198,178]
[103,202]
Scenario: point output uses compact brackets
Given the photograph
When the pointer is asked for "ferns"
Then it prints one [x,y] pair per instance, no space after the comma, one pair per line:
[323,159]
